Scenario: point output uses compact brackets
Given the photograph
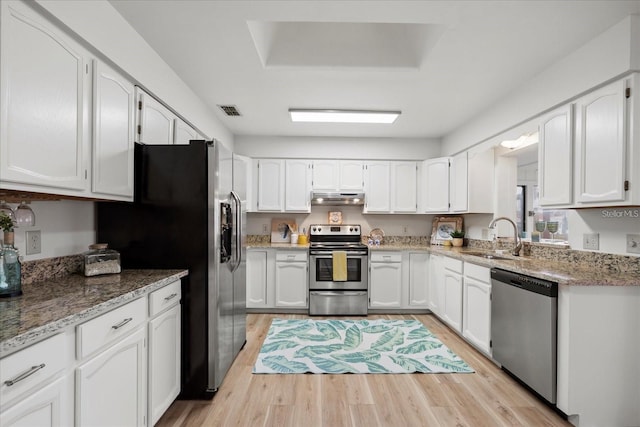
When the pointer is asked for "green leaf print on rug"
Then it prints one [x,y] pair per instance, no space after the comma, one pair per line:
[354,346]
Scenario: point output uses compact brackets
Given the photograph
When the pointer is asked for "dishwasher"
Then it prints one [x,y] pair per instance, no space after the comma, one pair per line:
[524,329]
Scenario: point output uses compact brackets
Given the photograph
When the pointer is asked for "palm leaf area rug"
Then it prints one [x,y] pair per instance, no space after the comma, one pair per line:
[354,346]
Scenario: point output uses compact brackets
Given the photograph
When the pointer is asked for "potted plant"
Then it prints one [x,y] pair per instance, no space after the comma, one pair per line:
[457,237]
[6,224]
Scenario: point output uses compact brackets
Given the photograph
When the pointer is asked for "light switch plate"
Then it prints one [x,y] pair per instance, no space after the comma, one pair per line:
[633,243]
[591,241]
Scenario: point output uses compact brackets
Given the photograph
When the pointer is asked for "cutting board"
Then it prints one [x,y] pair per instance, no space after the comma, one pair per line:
[281,229]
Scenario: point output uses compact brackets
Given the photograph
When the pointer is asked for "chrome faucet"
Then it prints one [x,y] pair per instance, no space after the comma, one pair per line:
[516,250]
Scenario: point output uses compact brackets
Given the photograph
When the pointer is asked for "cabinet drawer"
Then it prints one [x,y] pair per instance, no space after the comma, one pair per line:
[164,298]
[31,367]
[477,272]
[385,256]
[111,326]
[452,264]
[291,256]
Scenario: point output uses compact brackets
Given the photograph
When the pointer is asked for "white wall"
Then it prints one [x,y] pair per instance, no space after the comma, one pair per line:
[338,148]
[67,228]
[612,224]
[102,27]
[604,58]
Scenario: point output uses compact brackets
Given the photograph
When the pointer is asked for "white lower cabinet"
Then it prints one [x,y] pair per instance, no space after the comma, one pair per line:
[111,387]
[164,350]
[36,387]
[257,278]
[385,280]
[445,290]
[476,318]
[436,283]
[418,280]
[399,280]
[48,407]
[452,311]
[291,284]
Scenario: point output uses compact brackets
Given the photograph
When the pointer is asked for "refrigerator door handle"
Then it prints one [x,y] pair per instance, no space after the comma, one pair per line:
[238,228]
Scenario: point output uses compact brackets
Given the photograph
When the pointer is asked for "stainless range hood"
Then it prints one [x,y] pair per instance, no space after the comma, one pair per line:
[337,199]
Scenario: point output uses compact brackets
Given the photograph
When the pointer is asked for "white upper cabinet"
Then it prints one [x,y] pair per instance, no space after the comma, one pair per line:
[403,187]
[44,105]
[270,185]
[458,183]
[113,118]
[390,187]
[326,175]
[297,186]
[337,175]
[435,185]
[600,145]
[351,175]
[183,133]
[462,183]
[555,155]
[155,121]
[376,186]
[480,181]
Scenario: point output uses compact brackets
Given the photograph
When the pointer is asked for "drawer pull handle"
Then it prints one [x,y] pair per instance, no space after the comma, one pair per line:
[24,375]
[124,322]
[170,297]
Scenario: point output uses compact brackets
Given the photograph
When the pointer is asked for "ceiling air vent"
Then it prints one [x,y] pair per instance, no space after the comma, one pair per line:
[230,110]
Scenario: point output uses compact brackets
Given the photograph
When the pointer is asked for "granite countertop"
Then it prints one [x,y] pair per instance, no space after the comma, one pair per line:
[584,272]
[565,273]
[48,307]
[268,245]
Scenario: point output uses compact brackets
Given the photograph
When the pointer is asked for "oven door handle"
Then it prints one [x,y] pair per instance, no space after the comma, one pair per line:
[338,293]
[349,253]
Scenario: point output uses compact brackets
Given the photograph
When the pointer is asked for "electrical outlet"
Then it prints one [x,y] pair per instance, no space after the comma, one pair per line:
[33,242]
[405,229]
[633,243]
[265,230]
[591,241]
[485,234]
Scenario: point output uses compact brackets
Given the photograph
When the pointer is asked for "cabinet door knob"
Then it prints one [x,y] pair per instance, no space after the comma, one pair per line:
[24,375]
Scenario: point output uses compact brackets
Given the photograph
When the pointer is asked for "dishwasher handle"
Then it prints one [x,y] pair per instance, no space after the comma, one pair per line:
[527,283]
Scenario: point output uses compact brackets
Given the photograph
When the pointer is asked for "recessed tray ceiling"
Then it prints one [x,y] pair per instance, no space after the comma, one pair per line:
[343,44]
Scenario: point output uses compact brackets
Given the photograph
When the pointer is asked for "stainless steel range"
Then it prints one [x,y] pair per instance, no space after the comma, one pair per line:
[328,296]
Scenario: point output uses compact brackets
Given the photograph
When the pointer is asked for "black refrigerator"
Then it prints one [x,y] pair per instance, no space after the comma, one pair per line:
[189,212]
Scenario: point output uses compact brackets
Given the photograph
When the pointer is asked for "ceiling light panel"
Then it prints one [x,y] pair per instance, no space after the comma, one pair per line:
[343,116]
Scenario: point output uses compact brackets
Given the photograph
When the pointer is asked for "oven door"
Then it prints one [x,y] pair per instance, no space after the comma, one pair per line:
[321,271]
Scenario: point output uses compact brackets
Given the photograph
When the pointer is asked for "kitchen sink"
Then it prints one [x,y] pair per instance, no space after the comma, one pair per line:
[489,256]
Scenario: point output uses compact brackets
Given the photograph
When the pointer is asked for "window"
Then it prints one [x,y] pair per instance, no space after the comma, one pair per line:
[545,217]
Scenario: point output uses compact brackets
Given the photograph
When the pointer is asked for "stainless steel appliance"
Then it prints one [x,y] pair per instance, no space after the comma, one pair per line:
[337,199]
[524,329]
[326,295]
[189,212]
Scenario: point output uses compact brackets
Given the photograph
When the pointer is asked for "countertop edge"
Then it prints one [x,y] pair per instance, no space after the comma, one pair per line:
[41,333]
[564,274]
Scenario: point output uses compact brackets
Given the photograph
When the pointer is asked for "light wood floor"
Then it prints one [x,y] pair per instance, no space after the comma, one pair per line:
[486,398]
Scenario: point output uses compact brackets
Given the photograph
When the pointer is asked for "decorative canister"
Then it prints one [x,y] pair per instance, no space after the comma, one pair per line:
[100,260]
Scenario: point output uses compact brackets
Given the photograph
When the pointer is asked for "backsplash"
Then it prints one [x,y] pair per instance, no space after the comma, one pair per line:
[50,268]
[610,262]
